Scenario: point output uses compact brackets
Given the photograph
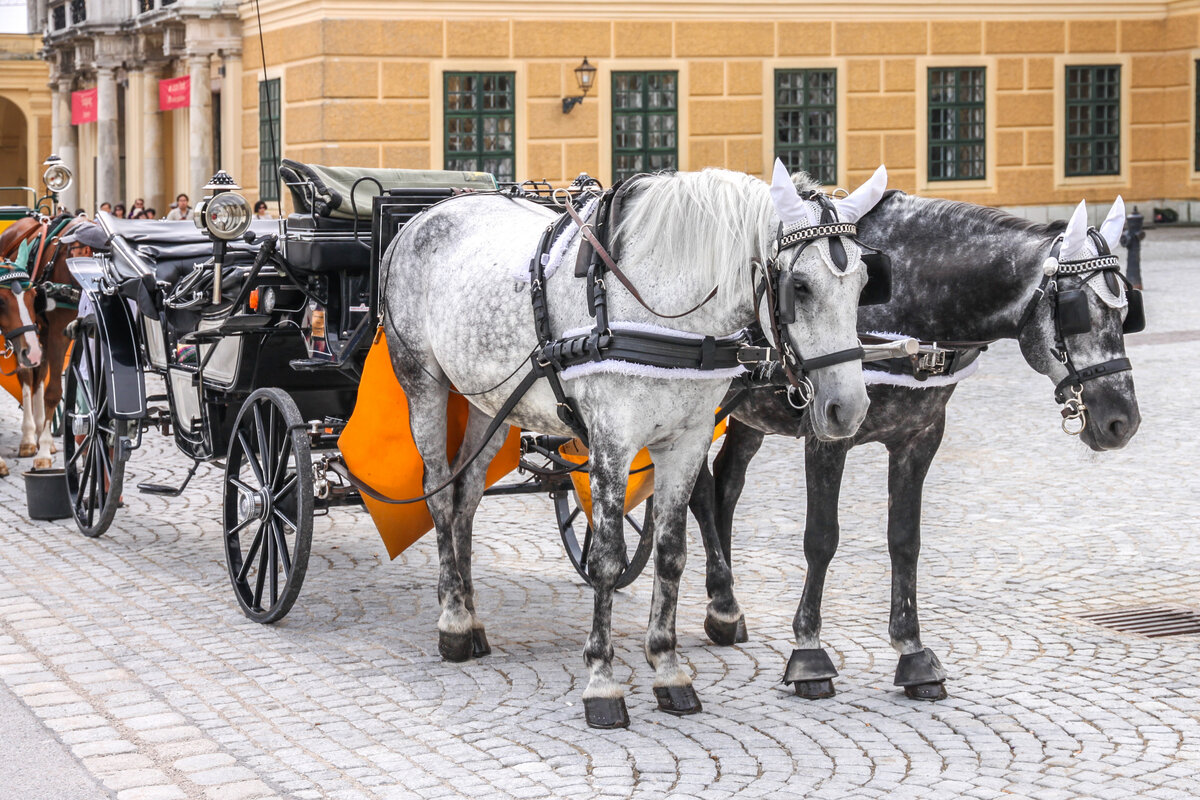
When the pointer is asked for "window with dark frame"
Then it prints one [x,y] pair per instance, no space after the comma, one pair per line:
[957,124]
[269,142]
[645,133]
[481,123]
[1093,144]
[1196,120]
[806,122]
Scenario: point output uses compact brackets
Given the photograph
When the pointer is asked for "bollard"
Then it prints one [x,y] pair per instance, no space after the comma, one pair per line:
[1131,239]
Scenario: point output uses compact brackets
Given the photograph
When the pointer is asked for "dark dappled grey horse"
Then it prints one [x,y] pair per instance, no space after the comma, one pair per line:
[963,290]
[458,312]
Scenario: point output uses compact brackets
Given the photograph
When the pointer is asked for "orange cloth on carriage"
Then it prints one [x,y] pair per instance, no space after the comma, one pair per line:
[378,447]
[8,376]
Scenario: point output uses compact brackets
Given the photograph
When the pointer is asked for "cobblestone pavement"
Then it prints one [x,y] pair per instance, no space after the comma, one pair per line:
[133,654]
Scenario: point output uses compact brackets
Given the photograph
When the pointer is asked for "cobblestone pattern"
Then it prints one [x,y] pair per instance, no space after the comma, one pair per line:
[132,650]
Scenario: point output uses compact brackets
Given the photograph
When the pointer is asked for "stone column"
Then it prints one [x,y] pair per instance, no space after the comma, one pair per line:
[65,140]
[231,118]
[108,149]
[200,125]
[152,141]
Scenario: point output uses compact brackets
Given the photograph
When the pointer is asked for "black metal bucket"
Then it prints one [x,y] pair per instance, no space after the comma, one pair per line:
[46,494]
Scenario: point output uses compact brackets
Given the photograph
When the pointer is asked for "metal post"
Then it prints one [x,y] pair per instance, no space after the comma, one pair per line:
[1131,239]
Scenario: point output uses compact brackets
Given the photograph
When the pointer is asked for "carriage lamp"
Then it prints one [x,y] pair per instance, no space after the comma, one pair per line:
[223,215]
[57,176]
[585,76]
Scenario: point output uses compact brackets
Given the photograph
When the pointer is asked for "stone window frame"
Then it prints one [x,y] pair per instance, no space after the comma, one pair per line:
[805,107]
[600,96]
[267,191]
[921,124]
[437,105]
[645,113]
[958,141]
[1123,180]
[479,114]
[839,65]
[1194,109]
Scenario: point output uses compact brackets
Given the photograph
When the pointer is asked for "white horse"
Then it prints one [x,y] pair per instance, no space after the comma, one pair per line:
[455,315]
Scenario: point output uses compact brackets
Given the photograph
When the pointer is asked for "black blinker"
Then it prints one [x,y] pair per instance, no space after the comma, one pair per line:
[1135,316]
[786,301]
[879,280]
[1073,315]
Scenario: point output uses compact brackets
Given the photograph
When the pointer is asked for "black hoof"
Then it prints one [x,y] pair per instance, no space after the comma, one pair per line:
[678,700]
[722,632]
[455,646]
[606,712]
[926,691]
[916,669]
[815,690]
[810,666]
[479,643]
[742,636]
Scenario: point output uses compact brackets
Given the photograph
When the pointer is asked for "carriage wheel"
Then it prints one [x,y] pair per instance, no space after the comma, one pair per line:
[95,445]
[268,505]
[637,548]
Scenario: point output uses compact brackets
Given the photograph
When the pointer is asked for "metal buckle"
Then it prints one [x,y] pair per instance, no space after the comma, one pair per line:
[933,361]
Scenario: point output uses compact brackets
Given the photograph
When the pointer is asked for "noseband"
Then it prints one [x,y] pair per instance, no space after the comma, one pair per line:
[778,285]
[1068,310]
[18,282]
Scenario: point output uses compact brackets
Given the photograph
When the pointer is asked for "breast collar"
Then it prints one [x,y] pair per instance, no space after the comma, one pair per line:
[1069,391]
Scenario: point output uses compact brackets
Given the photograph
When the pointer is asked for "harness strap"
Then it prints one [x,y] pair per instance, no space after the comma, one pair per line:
[1079,377]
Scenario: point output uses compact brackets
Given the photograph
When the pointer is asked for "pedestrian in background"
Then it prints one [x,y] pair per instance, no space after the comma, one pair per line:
[119,211]
[150,214]
[261,212]
[181,210]
[106,206]
[138,209]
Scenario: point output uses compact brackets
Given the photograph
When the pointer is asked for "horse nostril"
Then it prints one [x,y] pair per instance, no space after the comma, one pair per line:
[1118,427]
[833,413]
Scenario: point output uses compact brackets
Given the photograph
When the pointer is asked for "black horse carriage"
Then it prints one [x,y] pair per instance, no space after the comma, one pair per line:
[258,332]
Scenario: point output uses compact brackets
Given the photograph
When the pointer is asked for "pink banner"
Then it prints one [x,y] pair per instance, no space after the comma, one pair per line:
[83,107]
[174,93]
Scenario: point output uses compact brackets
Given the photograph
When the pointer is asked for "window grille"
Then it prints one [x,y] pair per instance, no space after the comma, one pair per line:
[957,124]
[806,122]
[269,142]
[481,123]
[645,122]
[1093,120]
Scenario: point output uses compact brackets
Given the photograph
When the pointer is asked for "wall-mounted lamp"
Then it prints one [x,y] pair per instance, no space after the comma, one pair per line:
[585,76]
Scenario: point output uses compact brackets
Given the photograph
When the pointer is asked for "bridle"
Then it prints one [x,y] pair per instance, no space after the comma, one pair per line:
[779,288]
[18,282]
[1069,314]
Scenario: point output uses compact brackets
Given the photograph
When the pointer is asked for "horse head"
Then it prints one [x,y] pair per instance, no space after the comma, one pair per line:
[819,287]
[1077,338]
[18,316]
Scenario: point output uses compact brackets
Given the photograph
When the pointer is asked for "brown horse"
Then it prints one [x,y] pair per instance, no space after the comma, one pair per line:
[41,345]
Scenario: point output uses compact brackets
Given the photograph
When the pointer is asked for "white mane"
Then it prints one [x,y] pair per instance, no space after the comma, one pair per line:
[714,222]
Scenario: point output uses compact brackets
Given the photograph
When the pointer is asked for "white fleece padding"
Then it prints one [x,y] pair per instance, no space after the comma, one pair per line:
[875,376]
[612,366]
[1100,287]
[558,247]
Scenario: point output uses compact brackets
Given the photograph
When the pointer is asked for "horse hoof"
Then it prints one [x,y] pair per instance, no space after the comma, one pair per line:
[815,690]
[810,665]
[742,637]
[43,463]
[723,632]
[479,643]
[3,470]
[455,647]
[26,450]
[678,700]
[926,691]
[606,712]
[919,669]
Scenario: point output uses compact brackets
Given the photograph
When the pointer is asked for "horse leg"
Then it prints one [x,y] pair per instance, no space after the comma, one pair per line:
[42,459]
[675,468]
[721,618]
[468,491]
[56,353]
[919,671]
[810,670]
[29,426]
[603,699]
[729,470]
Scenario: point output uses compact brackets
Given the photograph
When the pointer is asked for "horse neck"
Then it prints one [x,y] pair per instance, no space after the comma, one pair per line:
[16,233]
[968,278]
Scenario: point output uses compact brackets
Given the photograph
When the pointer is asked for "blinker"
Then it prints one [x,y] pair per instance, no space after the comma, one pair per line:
[879,280]
[786,301]
[1135,315]
[1073,315]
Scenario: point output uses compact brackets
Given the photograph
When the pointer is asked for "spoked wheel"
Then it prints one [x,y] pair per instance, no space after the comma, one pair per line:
[638,546]
[95,446]
[268,505]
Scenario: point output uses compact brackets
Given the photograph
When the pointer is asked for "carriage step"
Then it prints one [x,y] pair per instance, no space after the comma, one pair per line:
[168,491]
[313,364]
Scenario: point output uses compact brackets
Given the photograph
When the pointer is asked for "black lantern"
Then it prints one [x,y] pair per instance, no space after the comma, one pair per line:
[585,76]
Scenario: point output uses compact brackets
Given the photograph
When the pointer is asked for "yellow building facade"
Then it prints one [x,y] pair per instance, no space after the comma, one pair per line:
[369,83]
[24,116]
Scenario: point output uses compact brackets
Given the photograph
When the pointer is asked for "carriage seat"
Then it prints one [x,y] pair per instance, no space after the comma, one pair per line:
[326,191]
[160,240]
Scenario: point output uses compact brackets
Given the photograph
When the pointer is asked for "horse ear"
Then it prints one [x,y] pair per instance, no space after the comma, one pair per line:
[1076,232]
[788,204]
[1113,224]
[864,198]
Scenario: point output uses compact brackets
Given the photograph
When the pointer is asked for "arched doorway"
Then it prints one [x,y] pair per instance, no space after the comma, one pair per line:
[14,144]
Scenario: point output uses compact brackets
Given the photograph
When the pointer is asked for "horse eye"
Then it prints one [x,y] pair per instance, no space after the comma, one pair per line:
[803,290]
